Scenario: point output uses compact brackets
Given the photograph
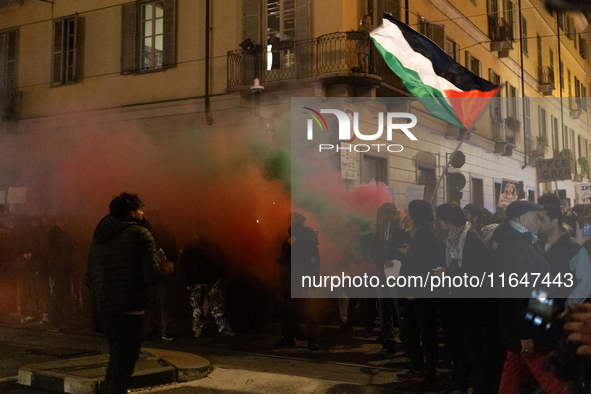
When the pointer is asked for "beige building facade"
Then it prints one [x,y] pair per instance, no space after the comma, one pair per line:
[72,67]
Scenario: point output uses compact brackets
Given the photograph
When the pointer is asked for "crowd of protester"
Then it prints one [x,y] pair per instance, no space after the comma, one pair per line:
[492,344]
[495,344]
[40,253]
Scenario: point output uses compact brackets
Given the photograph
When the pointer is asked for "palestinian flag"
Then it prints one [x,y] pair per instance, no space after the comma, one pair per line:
[427,71]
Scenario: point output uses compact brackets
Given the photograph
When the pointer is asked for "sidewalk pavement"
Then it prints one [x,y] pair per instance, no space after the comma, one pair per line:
[344,359]
[83,375]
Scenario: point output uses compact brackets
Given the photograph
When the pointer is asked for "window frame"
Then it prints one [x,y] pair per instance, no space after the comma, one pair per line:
[153,36]
[9,62]
[543,124]
[450,44]
[555,136]
[382,162]
[64,58]
[132,34]
[480,182]
[285,58]
[512,94]
[430,183]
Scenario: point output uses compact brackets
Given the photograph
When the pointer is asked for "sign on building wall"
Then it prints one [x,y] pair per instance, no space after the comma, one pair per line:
[584,190]
[556,169]
[509,193]
[414,192]
[348,162]
[16,195]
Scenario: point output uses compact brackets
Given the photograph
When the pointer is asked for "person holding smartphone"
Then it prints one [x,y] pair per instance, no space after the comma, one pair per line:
[564,256]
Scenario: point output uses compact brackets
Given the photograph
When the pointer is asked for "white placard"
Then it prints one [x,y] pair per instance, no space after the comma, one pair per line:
[414,192]
[348,162]
[584,190]
[16,195]
[393,270]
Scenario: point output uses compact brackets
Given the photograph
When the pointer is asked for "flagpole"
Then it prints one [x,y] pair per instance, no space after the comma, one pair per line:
[464,138]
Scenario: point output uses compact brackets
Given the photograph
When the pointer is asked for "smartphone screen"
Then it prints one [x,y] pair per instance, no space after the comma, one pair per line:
[540,309]
[587,231]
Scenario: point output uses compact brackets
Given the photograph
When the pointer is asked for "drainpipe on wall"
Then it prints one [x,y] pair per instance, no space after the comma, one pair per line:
[521,39]
[560,70]
[406,17]
[208,116]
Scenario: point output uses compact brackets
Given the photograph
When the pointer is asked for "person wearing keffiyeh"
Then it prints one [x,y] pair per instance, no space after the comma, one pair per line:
[473,324]
[527,348]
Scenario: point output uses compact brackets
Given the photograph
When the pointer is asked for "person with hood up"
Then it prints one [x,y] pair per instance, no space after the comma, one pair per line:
[121,266]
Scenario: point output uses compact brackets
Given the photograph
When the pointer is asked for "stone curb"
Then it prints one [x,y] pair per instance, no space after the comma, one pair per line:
[84,375]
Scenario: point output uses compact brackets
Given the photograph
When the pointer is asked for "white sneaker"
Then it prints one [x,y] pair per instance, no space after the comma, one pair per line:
[198,332]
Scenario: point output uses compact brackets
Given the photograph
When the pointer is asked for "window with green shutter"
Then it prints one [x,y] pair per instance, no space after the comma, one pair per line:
[148,41]
[8,72]
[65,54]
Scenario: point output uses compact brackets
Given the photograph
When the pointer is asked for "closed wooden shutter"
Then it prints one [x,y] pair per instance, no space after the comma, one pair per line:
[129,47]
[251,29]
[58,42]
[468,60]
[438,35]
[302,32]
[80,41]
[252,20]
[169,40]
[11,55]
[72,60]
[302,20]
[495,107]
[8,68]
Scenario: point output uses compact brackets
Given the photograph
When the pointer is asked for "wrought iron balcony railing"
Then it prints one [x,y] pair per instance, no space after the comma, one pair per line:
[499,29]
[575,105]
[546,76]
[330,53]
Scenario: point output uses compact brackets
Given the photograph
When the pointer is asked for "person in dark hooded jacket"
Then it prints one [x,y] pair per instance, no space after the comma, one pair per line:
[299,257]
[121,266]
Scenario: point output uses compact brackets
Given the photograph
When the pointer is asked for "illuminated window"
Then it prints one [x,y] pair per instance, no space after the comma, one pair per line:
[148,36]
[152,41]
[280,27]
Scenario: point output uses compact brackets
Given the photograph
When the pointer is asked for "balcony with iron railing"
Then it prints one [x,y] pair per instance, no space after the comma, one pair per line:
[505,135]
[546,80]
[575,106]
[501,35]
[330,56]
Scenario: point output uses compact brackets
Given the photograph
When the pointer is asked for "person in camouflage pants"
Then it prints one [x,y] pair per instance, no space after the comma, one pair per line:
[203,263]
[215,299]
